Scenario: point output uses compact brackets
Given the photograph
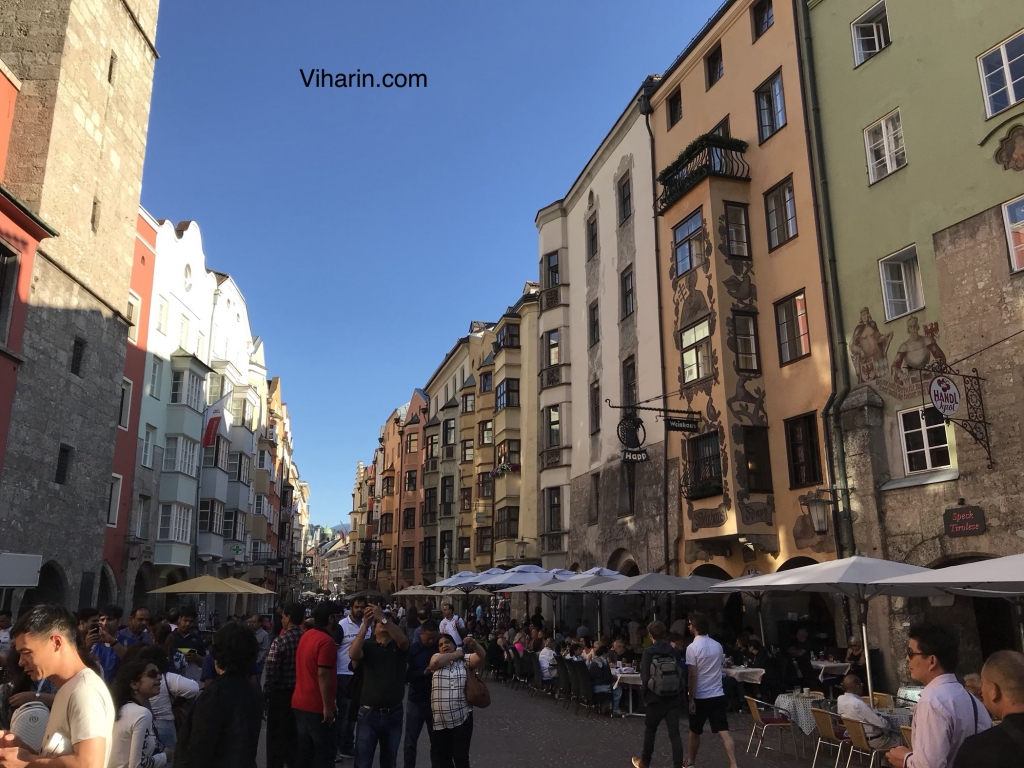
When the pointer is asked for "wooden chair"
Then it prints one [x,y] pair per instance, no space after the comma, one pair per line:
[859,743]
[819,694]
[884,700]
[780,720]
[828,734]
[908,735]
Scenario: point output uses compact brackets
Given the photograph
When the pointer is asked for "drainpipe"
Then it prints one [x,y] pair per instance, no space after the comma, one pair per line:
[645,110]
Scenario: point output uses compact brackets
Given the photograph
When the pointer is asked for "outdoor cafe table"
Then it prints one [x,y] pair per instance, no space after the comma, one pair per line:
[745,674]
[630,680]
[909,692]
[798,707]
[830,668]
[897,717]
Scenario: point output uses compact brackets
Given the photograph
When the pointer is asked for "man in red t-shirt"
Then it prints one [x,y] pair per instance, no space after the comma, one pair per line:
[313,699]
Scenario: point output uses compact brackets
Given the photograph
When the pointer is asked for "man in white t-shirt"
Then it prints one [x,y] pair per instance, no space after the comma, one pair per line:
[451,624]
[704,658]
[348,628]
[82,716]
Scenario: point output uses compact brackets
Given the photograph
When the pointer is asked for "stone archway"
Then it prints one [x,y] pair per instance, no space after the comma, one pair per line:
[622,560]
[52,588]
[144,581]
[711,571]
[107,594]
[796,562]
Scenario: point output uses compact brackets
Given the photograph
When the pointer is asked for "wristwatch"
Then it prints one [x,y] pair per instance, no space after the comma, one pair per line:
[384,621]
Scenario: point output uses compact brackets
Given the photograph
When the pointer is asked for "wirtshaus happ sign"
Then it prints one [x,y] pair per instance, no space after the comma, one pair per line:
[963,521]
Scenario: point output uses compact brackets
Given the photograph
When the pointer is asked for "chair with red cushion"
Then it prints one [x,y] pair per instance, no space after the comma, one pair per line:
[779,719]
[831,733]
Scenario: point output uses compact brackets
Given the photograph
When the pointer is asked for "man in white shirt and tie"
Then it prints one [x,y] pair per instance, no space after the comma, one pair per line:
[851,705]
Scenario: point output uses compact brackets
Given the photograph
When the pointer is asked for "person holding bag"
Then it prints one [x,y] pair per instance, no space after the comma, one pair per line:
[453,685]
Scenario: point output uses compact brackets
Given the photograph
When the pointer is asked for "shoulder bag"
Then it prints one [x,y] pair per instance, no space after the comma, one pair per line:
[476,691]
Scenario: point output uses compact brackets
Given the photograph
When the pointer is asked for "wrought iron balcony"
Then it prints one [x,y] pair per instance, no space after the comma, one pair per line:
[707,155]
[703,478]
[551,542]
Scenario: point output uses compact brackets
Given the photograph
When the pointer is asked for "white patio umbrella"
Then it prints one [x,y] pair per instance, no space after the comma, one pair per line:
[852,577]
[655,584]
[455,580]
[513,577]
[416,591]
[597,570]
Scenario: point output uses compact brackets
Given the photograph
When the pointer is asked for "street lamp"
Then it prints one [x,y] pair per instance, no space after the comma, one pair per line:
[819,507]
[521,549]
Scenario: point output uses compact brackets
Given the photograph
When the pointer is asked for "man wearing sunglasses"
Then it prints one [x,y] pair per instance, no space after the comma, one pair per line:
[946,713]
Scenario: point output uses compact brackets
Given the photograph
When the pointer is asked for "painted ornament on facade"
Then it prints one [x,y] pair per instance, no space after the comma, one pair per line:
[1010,154]
[869,353]
[869,349]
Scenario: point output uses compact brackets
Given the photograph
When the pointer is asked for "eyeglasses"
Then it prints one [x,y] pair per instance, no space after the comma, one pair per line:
[152,674]
[911,654]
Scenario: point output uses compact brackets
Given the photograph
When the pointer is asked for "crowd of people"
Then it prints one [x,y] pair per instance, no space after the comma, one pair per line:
[337,683]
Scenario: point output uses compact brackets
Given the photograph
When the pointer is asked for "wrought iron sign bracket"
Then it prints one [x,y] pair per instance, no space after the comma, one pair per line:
[975,423]
[632,434]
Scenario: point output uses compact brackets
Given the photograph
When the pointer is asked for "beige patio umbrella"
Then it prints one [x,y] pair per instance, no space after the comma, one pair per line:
[206,585]
[245,586]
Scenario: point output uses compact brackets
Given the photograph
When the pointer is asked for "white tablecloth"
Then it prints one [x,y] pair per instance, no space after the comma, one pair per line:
[830,668]
[897,717]
[627,679]
[745,674]
[910,692]
[799,707]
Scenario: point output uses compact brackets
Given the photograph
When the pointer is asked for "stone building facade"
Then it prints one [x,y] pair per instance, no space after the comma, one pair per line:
[76,158]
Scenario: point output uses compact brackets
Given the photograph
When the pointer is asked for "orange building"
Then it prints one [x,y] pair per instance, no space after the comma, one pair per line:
[745,336]
[409,535]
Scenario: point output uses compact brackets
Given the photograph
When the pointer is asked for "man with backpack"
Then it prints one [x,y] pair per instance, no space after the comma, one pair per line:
[662,674]
[704,658]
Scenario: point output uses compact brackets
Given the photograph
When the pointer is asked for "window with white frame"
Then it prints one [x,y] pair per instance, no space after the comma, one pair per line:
[261,507]
[771,107]
[177,386]
[883,142]
[1013,218]
[200,345]
[925,442]
[134,316]
[870,33]
[156,375]
[175,523]
[901,283]
[688,243]
[780,212]
[148,441]
[263,460]
[230,527]
[183,332]
[194,393]
[161,314]
[1002,74]
[124,414]
[696,351]
[181,455]
[211,516]
[114,500]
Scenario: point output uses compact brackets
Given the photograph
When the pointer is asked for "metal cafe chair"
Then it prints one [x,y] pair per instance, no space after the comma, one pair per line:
[828,734]
[859,743]
[780,720]
[908,735]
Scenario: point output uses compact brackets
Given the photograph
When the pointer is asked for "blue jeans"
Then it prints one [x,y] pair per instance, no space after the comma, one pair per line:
[168,736]
[375,727]
[616,699]
[346,727]
[417,715]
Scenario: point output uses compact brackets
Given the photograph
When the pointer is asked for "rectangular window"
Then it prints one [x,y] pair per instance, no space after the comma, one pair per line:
[468,403]
[429,557]
[714,65]
[507,523]
[485,381]
[485,429]
[223,448]
[508,452]
[553,426]
[629,396]
[464,548]
[748,359]
[387,523]
[1002,74]
[1013,218]
[447,496]
[763,17]
[465,499]
[177,385]
[626,282]
[134,317]
[260,505]
[485,485]
[901,283]
[181,455]
[209,455]
[771,107]
[77,355]
[200,345]
[230,528]
[408,558]
[211,516]
[688,243]
[388,486]
[410,480]
[125,411]
[429,506]
[759,466]
[625,199]
[551,354]
[696,342]
[703,467]
[870,34]
[183,333]
[791,322]
[507,394]
[594,324]
[802,450]
[592,237]
[674,108]
[467,451]
[780,210]
[737,230]
[432,445]
[553,510]
[113,500]
[409,518]
[483,540]
[161,314]
[508,337]
[551,269]
[594,509]
[449,432]
[175,523]
[883,142]
[595,407]
[147,446]
[925,446]
[156,374]
[412,442]
[63,465]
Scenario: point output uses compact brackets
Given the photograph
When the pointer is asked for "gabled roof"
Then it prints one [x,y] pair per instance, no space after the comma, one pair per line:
[489,360]
[470,382]
[415,419]
[434,422]
[450,404]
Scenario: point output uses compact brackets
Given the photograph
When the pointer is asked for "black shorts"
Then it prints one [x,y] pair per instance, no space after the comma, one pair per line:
[711,710]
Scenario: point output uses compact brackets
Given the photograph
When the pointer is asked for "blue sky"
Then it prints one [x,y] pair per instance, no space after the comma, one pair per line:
[351,218]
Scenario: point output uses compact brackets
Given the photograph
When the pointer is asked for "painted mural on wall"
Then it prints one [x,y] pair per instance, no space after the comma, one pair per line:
[869,353]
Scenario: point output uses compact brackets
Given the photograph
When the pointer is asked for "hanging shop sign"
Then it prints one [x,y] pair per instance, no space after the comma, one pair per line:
[632,433]
[680,424]
[944,395]
[957,396]
[963,521]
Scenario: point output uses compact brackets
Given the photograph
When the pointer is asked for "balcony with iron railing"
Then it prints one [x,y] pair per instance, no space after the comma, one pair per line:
[706,156]
[552,542]
[703,477]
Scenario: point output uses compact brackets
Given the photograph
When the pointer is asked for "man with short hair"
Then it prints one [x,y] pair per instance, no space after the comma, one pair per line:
[851,705]
[661,677]
[81,720]
[136,631]
[313,699]
[946,713]
[451,624]
[1002,691]
[384,661]
[421,651]
[187,645]
[704,658]
[347,630]
[278,687]
[263,638]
